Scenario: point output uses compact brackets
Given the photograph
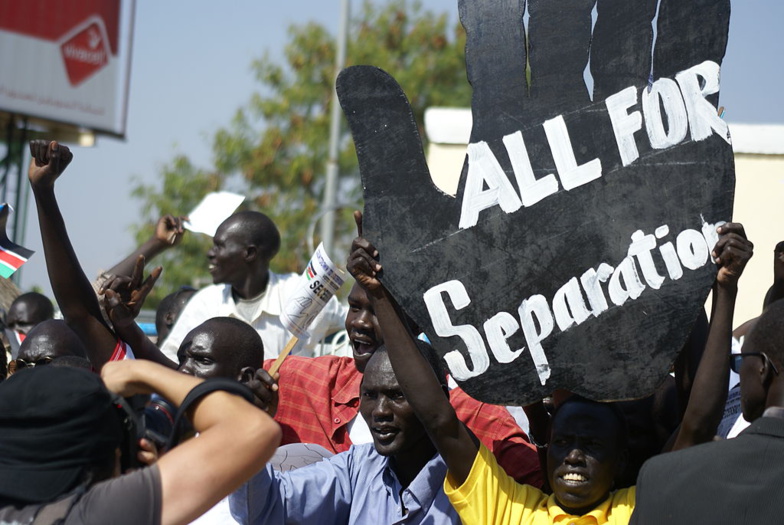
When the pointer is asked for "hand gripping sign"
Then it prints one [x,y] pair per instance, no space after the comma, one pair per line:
[318,283]
[576,253]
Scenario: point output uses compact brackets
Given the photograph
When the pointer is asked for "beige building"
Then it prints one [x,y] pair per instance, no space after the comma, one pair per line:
[759,190]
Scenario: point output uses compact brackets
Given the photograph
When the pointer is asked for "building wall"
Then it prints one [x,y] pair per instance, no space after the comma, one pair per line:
[759,205]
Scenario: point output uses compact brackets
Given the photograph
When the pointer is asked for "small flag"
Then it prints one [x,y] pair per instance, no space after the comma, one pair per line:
[12,256]
[322,280]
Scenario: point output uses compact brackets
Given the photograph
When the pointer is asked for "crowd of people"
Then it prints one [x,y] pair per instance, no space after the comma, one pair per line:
[101,424]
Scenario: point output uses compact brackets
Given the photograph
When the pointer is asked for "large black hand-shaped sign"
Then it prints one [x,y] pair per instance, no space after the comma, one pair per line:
[576,253]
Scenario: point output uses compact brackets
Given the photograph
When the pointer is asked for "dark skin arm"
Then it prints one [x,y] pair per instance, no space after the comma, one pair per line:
[72,289]
[688,360]
[709,392]
[168,233]
[123,308]
[123,299]
[416,378]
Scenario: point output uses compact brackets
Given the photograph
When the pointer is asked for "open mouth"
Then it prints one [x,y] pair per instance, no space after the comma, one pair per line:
[362,344]
[573,478]
[384,434]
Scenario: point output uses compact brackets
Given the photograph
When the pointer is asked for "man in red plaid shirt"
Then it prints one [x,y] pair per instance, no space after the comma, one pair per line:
[318,401]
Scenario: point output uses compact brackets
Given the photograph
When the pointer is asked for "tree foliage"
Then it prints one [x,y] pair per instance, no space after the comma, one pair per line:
[275,148]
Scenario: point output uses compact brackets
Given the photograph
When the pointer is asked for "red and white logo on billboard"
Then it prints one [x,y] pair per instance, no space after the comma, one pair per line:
[85,52]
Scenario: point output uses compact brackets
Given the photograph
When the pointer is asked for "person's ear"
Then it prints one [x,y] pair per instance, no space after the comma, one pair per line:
[251,253]
[766,371]
[168,319]
[246,375]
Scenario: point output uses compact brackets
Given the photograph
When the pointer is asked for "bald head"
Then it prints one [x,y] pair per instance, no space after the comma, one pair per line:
[50,340]
[256,229]
[28,310]
[221,347]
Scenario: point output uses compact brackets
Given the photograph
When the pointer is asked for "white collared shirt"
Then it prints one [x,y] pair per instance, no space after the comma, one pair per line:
[217,301]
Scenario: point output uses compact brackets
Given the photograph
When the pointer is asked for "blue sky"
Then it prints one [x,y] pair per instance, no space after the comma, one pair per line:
[191,70]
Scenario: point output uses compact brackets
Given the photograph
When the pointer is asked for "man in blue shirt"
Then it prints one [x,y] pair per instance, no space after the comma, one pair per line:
[396,479]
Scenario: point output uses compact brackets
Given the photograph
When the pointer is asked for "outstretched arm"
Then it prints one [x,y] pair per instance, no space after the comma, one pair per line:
[709,393]
[70,285]
[168,233]
[416,378]
[220,418]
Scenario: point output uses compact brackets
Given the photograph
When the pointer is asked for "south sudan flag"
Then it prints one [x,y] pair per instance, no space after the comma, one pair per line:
[12,256]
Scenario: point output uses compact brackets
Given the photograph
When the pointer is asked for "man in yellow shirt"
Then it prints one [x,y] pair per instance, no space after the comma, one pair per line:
[588,440]
[587,451]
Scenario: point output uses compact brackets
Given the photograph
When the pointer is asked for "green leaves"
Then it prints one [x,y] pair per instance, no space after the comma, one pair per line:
[275,147]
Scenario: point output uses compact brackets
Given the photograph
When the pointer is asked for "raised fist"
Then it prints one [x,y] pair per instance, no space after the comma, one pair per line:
[49,160]
[576,253]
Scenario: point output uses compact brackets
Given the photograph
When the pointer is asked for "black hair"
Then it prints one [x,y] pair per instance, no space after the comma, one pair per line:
[173,303]
[260,231]
[248,349]
[39,301]
[430,355]
[768,333]
[622,426]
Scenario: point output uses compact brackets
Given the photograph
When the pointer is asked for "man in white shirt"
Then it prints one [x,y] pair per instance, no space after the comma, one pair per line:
[244,288]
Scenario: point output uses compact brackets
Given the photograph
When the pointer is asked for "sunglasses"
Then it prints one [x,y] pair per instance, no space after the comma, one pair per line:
[21,363]
[737,359]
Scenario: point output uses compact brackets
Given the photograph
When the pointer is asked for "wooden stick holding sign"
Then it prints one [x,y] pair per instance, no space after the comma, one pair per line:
[319,282]
[282,357]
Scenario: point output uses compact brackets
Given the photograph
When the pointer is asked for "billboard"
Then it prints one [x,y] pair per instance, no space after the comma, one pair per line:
[67,62]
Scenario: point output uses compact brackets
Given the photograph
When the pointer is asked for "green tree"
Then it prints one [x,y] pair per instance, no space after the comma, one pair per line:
[275,148]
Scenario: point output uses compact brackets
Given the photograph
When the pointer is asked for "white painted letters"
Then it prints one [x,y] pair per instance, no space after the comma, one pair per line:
[536,305]
[625,124]
[498,329]
[483,168]
[665,91]
[531,190]
[703,118]
[572,175]
[444,328]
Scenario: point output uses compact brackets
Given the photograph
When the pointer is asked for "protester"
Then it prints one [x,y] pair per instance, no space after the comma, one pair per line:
[319,399]
[733,423]
[588,441]
[738,480]
[396,479]
[46,342]
[71,288]
[316,400]
[245,288]
[220,347]
[169,310]
[49,405]
[27,311]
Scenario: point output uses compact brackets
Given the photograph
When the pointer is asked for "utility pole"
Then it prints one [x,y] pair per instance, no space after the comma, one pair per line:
[330,187]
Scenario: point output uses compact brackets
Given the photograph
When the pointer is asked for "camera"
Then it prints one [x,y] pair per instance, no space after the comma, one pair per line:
[157,421]
[149,417]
